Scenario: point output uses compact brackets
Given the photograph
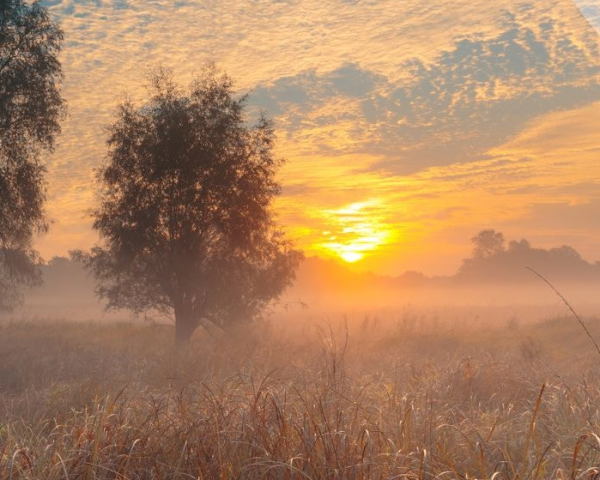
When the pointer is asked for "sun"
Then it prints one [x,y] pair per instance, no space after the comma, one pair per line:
[358,230]
[351,257]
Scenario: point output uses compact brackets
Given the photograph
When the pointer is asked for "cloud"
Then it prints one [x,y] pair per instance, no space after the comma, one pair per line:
[563,217]
[453,109]
[585,188]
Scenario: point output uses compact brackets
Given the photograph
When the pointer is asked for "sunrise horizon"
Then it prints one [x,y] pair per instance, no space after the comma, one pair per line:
[401,141]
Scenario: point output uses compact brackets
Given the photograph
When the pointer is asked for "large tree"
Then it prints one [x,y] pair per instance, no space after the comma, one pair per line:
[185,214]
[30,110]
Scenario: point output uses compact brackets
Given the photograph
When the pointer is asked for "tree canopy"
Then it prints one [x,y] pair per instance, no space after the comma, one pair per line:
[30,110]
[494,261]
[487,243]
[185,212]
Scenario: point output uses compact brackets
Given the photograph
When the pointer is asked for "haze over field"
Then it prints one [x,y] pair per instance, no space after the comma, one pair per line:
[407,126]
[497,287]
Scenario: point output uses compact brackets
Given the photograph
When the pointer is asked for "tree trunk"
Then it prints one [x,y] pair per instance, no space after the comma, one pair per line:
[184,327]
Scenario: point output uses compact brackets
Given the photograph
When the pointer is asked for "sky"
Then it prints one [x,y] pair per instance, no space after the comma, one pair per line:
[407,125]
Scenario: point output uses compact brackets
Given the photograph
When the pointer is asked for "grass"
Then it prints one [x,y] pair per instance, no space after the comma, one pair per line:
[342,400]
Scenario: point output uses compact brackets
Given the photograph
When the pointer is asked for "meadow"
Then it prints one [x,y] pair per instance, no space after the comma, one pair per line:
[410,396]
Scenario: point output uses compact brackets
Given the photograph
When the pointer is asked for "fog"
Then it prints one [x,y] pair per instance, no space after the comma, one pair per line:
[505,285]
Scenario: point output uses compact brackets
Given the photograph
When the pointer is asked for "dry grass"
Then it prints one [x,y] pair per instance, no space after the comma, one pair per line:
[400,400]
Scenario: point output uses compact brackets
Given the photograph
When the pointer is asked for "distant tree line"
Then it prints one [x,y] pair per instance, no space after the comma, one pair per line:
[495,260]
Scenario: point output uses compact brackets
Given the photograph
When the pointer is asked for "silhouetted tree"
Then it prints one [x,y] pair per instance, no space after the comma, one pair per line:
[185,208]
[487,243]
[30,110]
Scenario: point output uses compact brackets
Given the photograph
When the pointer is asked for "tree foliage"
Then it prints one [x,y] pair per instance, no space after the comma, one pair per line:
[487,243]
[185,208]
[30,110]
[493,261]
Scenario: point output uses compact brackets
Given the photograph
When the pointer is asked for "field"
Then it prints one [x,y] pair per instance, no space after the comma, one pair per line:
[408,397]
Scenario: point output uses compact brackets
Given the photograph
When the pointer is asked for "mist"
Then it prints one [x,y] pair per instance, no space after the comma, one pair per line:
[502,286]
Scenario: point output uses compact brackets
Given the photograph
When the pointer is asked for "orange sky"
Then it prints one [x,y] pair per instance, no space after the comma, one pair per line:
[408,125]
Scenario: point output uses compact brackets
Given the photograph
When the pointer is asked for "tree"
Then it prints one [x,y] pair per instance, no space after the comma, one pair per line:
[487,243]
[185,208]
[30,110]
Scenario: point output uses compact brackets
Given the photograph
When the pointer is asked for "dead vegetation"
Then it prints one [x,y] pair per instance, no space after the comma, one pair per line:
[340,400]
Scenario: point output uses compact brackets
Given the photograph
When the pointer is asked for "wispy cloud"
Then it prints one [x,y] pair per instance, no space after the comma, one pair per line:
[453,109]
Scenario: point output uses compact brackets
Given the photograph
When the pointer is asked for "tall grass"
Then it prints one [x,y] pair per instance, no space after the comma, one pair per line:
[338,401]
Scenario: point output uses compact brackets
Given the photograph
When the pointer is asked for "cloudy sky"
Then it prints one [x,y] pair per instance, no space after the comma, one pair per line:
[407,125]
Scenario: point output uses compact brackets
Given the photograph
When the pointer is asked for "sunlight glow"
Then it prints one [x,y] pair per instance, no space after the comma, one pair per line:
[351,257]
[358,230]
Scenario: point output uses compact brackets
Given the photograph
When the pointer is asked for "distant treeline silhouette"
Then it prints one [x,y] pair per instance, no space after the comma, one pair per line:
[493,260]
